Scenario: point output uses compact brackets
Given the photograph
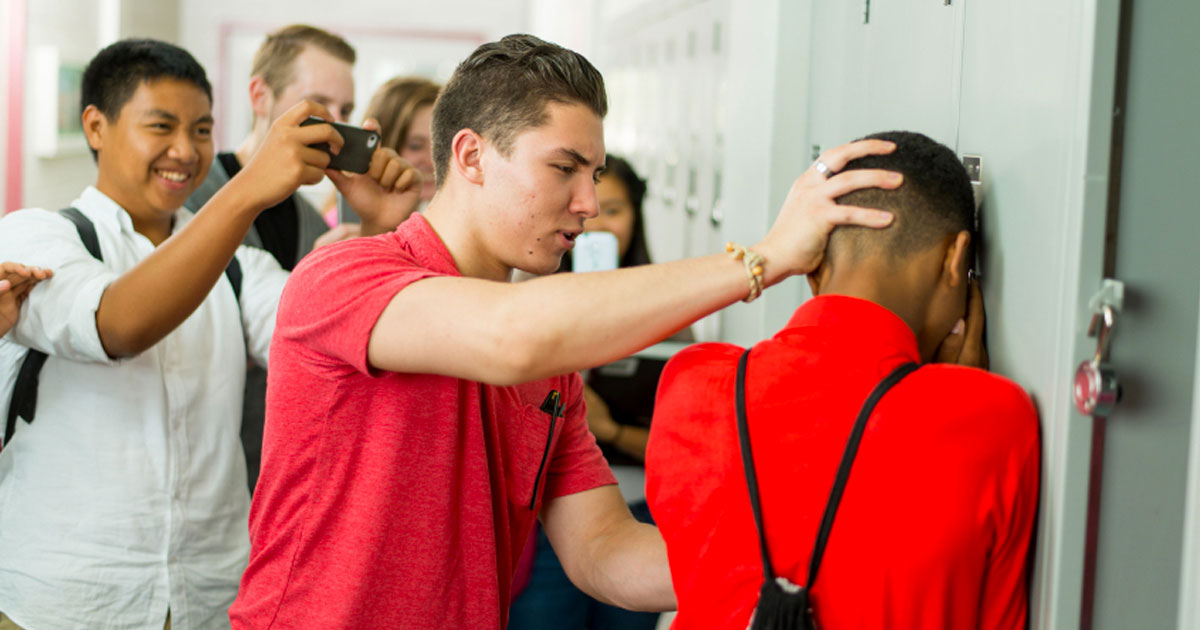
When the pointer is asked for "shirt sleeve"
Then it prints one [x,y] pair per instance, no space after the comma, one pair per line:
[262,286]
[1004,597]
[335,296]
[59,317]
[577,464]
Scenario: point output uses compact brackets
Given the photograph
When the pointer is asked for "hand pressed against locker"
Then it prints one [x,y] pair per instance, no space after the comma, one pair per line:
[965,345]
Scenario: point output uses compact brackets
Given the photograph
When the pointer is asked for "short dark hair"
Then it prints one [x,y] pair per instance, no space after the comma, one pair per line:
[115,73]
[934,200]
[503,88]
[274,57]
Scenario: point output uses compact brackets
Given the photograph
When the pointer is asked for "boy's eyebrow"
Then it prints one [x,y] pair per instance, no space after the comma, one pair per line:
[578,158]
[162,113]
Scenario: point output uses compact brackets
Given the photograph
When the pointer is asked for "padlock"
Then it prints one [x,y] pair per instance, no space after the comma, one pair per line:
[1097,390]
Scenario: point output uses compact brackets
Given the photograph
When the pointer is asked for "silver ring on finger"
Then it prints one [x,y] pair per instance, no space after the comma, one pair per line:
[823,169]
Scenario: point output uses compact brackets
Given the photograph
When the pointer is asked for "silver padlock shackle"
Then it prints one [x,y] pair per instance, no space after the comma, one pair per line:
[1104,332]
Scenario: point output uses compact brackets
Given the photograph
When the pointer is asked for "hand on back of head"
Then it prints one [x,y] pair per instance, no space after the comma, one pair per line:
[796,242]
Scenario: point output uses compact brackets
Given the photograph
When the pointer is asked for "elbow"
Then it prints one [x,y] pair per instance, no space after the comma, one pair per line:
[124,342]
[522,352]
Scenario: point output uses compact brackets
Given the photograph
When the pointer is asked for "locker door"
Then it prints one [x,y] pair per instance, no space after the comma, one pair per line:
[1140,528]
[883,65]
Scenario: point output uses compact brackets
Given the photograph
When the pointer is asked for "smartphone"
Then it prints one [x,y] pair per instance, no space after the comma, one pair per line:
[357,150]
[595,251]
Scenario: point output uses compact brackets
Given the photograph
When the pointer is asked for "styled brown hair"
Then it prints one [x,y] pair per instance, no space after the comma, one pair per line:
[395,104]
[503,88]
[274,58]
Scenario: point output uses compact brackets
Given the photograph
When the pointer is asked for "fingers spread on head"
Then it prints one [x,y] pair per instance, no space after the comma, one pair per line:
[838,157]
[835,214]
[857,179]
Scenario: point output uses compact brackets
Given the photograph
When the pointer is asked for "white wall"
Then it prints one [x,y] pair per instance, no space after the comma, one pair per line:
[70,27]
[74,30]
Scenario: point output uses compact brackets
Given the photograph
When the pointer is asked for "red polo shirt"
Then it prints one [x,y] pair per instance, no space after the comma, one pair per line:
[934,526]
[392,500]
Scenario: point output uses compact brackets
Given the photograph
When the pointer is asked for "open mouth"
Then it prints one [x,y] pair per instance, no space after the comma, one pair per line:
[177,177]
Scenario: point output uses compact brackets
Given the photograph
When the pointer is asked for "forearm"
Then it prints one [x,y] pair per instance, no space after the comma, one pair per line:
[150,300]
[628,568]
[570,322]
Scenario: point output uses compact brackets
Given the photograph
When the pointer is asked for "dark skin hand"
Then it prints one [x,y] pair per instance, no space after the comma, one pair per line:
[16,281]
[967,347]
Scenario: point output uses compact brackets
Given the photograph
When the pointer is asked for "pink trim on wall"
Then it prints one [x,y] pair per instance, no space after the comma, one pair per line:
[226,30]
[14,160]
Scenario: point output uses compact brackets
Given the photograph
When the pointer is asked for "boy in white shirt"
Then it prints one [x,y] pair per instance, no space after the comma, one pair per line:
[124,505]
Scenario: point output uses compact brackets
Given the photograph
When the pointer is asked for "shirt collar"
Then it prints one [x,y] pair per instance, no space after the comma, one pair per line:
[426,245]
[101,208]
[863,320]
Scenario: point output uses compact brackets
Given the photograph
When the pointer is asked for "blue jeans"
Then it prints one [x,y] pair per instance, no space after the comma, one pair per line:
[551,601]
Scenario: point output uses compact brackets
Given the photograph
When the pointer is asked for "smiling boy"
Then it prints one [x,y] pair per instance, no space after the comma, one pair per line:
[423,411]
[123,501]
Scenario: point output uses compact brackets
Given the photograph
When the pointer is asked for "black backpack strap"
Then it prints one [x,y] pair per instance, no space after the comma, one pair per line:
[86,229]
[843,473]
[233,272]
[839,483]
[25,391]
[748,465]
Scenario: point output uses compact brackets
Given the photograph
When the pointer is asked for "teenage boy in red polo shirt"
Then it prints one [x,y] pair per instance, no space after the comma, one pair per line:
[422,410]
[934,525]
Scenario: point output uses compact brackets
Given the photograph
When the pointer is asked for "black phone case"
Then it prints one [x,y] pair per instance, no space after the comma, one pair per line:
[359,145]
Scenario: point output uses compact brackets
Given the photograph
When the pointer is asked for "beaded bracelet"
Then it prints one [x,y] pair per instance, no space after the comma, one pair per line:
[754,267]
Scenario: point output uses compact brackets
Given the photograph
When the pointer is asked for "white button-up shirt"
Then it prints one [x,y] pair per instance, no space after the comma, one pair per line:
[127,494]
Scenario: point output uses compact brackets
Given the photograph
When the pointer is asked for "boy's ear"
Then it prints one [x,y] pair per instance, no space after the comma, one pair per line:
[260,96]
[94,123]
[467,155]
[957,261]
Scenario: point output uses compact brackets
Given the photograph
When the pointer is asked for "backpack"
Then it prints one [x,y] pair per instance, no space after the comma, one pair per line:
[24,396]
[783,605]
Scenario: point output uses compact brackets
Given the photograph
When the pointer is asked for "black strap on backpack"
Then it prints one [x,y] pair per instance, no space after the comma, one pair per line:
[24,396]
[783,605]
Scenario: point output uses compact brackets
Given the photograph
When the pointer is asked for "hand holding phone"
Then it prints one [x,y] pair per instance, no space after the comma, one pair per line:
[360,144]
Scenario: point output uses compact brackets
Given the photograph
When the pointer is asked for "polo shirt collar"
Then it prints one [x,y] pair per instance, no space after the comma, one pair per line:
[866,321]
[430,249]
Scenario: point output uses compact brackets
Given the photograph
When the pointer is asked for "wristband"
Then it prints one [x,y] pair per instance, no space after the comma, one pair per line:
[754,268]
